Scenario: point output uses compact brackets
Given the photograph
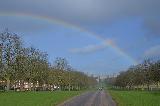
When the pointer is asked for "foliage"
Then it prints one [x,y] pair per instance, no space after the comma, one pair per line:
[27,64]
[145,74]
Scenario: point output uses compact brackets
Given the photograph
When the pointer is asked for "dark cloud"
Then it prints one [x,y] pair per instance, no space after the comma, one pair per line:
[88,12]
[22,24]
[152,26]
[84,10]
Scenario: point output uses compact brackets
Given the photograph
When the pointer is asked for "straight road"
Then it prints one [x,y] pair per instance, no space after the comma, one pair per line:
[97,98]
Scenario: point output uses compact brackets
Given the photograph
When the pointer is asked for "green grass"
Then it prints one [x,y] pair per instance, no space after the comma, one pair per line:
[136,98]
[35,98]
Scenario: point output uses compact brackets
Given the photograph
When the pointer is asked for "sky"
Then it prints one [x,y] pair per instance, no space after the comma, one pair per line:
[95,36]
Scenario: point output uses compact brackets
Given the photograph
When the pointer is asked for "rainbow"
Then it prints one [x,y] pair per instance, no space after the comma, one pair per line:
[73,26]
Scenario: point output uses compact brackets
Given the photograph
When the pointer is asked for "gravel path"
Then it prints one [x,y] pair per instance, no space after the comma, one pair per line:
[98,98]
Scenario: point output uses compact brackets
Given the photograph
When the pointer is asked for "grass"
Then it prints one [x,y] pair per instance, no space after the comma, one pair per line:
[136,98]
[35,98]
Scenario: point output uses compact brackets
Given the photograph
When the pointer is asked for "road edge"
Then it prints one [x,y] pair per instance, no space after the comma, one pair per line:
[70,99]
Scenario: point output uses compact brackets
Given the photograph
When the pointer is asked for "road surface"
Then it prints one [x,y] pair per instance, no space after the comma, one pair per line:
[92,98]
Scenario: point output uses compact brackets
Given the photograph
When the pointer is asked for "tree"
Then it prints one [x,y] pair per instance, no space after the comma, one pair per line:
[146,68]
[155,72]
[22,64]
[146,73]
[61,64]
[10,43]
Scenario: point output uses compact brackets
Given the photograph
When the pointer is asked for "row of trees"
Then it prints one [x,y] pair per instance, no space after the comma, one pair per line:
[21,64]
[145,75]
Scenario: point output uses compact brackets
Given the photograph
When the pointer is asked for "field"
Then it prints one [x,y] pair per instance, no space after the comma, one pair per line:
[35,98]
[136,98]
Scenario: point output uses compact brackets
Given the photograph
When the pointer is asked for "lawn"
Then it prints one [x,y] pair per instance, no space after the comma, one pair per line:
[35,98]
[136,98]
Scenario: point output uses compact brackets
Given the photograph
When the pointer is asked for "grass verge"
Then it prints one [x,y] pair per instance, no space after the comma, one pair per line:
[136,98]
[35,98]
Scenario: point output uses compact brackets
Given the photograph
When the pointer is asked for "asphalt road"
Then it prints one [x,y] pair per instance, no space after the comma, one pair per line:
[97,98]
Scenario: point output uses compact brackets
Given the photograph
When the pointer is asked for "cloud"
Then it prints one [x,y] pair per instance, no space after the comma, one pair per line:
[88,49]
[84,11]
[92,48]
[87,12]
[153,52]
[22,24]
[152,25]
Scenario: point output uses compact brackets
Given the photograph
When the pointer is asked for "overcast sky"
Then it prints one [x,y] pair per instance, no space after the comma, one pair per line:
[96,36]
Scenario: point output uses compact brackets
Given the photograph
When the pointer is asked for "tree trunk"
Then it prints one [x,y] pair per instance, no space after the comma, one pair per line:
[69,87]
[21,85]
[148,86]
[29,85]
[44,86]
[8,84]
[34,88]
